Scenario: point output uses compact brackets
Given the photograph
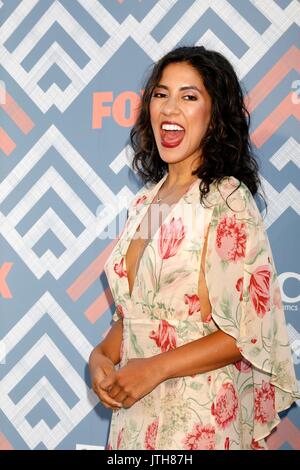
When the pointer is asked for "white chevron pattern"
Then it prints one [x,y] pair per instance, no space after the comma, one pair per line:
[260,49]
[52,179]
[43,389]
[119,33]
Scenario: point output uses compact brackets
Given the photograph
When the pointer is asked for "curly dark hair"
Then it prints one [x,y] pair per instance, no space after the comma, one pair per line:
[226,147]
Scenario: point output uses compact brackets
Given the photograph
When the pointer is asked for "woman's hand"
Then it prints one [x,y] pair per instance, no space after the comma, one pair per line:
[104,368]
[133,381]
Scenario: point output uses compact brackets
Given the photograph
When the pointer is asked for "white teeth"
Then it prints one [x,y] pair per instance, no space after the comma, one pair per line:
[171,127]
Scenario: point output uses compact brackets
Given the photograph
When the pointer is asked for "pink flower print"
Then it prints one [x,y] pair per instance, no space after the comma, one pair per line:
[231,239]
[193,303]
[208,318]
[255,445]
[225,409]
[264,405]
[119,268]
[171,235]
[140,201]
[239,287]
[165,337]
[202,437]
[151,433]
[243,365]
[259,289]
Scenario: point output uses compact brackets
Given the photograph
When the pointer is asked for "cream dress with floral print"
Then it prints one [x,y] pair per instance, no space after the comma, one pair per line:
[234,407]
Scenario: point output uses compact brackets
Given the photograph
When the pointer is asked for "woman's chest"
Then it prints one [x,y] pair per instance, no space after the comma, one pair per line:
[147,232]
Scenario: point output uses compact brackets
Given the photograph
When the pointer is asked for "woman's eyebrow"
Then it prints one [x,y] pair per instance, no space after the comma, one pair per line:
[187,87]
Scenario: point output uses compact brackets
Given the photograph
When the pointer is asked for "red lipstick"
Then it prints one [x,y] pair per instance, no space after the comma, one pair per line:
[171,139]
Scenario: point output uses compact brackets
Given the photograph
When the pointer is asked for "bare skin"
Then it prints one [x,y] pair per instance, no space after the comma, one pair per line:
[102,361]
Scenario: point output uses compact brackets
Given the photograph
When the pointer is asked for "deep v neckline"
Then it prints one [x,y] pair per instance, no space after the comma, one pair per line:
[140,218]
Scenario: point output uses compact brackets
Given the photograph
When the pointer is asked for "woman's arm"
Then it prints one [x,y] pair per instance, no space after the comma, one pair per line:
[204,354]
[109,347]
[102,361]
[139,376]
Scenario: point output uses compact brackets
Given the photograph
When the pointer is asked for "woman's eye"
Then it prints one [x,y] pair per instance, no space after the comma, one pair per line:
[191,96]
[186,96]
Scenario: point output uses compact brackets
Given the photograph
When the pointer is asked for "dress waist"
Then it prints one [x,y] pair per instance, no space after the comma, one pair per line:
[148,337]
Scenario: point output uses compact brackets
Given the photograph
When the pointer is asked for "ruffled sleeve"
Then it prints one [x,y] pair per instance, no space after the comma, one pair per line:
[245,297]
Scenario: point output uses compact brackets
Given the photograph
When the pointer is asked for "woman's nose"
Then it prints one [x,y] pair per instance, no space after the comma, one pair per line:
[170,105]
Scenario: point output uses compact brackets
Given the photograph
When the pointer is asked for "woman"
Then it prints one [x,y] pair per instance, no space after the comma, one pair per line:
[198,356]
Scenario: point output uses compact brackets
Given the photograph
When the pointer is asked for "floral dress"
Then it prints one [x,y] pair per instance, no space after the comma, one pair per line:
[233,407]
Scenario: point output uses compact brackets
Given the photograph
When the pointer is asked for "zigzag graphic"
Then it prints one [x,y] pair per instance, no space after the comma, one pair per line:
[4,442]
[281,201]
[286,431]
[44,394]
[288,152]
[94,223]
[18,116]
[289,61]
[275,119]
[68,416]
[83,282]
[257,44]
[4,289]
[91,274]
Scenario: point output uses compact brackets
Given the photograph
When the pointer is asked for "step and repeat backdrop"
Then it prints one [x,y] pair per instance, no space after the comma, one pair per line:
[71,76]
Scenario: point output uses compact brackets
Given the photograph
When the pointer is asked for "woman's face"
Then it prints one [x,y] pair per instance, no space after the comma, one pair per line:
[190,108]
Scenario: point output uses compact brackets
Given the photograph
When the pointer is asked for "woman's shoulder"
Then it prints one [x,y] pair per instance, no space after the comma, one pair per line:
[229,185]
[232,195]
[142,197]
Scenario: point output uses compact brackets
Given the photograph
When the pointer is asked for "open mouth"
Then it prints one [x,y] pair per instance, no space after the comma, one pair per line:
[171,135]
